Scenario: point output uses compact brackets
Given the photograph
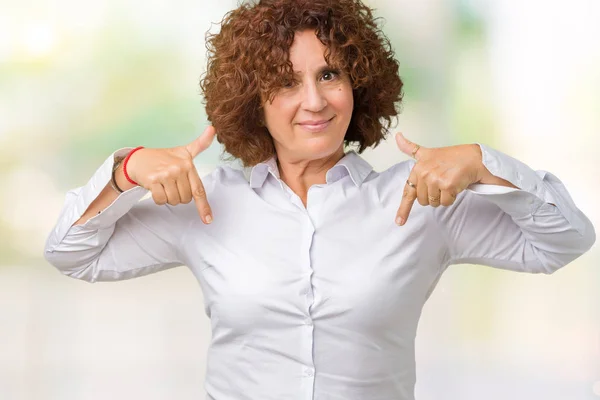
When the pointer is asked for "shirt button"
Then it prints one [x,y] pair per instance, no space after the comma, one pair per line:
[308,321]
[309,372]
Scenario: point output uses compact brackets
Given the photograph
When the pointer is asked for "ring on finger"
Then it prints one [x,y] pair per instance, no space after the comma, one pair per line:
[414,152]
[412,185]
[433,199]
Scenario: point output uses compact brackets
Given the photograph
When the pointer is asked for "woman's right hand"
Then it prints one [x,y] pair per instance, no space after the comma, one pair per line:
[170,174]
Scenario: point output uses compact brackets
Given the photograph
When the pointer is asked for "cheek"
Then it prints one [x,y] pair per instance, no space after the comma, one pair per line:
[278,117]
[344,97]
[279,112]
[350,100]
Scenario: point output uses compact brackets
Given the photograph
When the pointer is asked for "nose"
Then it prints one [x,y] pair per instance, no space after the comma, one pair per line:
[313,99]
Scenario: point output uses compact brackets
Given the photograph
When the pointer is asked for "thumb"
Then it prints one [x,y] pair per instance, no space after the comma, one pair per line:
[202,142]
[406,146]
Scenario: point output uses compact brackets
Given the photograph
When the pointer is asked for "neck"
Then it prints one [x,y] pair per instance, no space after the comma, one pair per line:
[300,175]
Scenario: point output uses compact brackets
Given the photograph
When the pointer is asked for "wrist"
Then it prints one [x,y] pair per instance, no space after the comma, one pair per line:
[490,179]
[480,172]
[127,171]
[121,180]
[483,175]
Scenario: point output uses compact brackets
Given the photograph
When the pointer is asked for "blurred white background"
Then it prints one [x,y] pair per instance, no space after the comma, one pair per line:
[79,79]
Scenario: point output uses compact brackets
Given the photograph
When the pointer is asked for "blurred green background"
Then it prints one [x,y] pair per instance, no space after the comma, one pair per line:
[80,79]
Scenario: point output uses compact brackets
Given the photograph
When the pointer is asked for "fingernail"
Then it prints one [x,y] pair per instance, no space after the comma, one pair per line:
[400,221]
[208,219]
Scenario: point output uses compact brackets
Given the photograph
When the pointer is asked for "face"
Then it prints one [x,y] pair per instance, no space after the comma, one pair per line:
[308,118]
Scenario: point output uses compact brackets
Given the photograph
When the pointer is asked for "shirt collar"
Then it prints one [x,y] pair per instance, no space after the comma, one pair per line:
[351,164]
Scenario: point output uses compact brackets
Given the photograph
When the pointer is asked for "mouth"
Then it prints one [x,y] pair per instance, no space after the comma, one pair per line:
[316,126]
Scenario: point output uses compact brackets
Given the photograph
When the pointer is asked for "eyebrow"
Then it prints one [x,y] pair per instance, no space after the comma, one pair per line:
[321,69]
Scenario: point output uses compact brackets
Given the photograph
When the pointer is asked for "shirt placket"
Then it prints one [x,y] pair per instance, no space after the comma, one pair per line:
[308,230]
[308,370]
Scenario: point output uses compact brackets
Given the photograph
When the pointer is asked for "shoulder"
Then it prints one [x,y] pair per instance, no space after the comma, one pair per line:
[399,170]
[224,175]
[386,186]
[221,184]
[392,176]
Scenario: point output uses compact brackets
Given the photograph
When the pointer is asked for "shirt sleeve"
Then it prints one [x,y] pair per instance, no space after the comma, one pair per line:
[131,237]
[536,228]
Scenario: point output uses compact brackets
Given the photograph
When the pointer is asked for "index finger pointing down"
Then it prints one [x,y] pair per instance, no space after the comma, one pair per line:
[199,195]
[408,198]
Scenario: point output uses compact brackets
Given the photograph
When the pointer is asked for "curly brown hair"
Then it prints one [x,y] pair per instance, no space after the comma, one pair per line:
[248,60]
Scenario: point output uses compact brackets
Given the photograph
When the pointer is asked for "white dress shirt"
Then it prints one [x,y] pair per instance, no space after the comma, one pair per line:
[319,302]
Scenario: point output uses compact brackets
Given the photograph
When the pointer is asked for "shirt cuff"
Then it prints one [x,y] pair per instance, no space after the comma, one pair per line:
[88,193]
[532,192]
[538,190]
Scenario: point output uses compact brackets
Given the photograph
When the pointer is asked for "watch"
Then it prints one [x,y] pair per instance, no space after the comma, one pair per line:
[113,181]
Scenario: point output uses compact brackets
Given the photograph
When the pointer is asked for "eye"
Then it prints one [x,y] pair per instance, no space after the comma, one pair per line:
[329,75]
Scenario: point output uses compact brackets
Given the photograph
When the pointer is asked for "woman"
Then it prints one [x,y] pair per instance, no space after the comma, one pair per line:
[313,290]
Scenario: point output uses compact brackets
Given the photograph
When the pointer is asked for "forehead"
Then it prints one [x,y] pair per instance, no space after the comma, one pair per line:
[307,52]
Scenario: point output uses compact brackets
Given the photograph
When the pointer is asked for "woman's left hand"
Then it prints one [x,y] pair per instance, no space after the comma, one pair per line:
[439,174]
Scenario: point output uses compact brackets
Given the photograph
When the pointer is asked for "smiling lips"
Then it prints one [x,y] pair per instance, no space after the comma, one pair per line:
[316,125]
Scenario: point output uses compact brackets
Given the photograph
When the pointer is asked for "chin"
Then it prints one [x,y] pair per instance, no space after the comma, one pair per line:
[323,147]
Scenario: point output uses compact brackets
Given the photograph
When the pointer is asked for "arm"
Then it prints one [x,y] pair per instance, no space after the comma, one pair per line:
[108,195]
[534,228]
[104,235]
[128,238]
